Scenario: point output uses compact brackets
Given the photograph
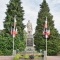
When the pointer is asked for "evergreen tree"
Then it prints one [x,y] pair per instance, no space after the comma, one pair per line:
[40,41]
[14,8]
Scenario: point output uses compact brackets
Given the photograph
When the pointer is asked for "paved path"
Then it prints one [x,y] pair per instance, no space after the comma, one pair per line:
[6,57]
[53,58]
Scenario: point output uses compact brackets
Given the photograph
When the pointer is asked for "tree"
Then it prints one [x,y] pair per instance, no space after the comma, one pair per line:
[13,8]
[40,41]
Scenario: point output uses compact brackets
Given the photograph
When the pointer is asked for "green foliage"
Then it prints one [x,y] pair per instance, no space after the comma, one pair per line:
[1,53]
[38,55]
[6,40]
[17,57]
[26,56]
[53,40]
[14,8]
[6,45]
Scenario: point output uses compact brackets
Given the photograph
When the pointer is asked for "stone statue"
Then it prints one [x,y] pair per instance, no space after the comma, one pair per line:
[29,27]
[30,39]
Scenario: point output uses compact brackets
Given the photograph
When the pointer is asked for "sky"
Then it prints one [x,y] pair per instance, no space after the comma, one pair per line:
[31,9]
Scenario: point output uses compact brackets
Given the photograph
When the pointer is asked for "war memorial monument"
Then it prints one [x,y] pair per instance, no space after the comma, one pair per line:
[30,38]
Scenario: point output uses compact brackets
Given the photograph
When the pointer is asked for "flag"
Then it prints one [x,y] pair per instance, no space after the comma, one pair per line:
[14,30]
[46,31]
[14,33]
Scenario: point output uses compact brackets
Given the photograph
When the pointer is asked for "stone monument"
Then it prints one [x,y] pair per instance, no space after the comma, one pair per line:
[29,28]
[30,38]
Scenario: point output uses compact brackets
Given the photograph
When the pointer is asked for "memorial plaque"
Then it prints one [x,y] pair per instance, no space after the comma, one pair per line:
[30,42]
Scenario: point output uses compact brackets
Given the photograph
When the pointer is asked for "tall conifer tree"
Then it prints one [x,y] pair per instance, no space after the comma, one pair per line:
[40,41]
[13,8]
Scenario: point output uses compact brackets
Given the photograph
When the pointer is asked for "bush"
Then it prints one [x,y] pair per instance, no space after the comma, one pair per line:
[39,55]
[1,53]
[26,56]
[17,57]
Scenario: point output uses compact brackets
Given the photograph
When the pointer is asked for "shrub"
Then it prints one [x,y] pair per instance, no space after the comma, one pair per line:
[17,57]
[1,53]
[26,56]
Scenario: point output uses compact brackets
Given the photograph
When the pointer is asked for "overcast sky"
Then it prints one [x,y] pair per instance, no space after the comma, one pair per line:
[31,8]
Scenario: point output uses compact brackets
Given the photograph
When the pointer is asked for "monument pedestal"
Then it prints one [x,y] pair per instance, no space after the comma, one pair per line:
[30,44]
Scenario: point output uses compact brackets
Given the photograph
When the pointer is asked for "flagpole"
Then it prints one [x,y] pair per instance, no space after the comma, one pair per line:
[14,32]
[46,46]
[46,36]
[13,45]
[46,33]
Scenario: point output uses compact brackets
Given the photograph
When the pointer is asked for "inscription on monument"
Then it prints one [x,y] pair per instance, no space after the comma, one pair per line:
[30,42]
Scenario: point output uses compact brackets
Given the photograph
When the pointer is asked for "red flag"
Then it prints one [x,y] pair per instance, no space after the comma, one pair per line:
[14,33]
[14,30]
[46,31]
[46,34]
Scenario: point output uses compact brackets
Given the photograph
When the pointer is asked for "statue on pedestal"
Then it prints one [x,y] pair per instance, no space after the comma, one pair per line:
[30,38]
[29,27]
